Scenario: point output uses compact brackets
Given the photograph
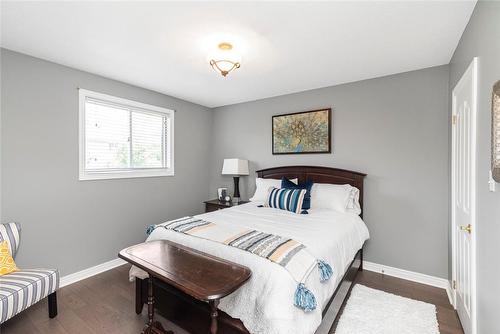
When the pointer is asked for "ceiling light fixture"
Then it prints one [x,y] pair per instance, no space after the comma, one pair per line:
[226,59]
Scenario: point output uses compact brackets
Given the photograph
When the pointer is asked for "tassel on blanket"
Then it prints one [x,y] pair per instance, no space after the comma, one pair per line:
[150,229]
[304,299]
[325,271]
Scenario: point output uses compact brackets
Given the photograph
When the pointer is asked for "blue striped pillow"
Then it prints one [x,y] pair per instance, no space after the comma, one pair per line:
[286,199]
[286,183]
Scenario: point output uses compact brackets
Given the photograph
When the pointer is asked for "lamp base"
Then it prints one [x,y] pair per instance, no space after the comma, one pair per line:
[236,187]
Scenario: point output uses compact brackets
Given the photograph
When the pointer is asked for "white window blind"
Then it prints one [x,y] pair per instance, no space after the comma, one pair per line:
[122,138]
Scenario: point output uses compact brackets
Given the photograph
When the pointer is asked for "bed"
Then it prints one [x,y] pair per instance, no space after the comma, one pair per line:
[263,304]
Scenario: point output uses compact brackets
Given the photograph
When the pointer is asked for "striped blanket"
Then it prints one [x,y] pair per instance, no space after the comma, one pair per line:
[286,252]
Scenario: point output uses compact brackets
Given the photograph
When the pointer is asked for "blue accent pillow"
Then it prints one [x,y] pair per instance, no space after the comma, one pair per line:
[286,199]
[287,184]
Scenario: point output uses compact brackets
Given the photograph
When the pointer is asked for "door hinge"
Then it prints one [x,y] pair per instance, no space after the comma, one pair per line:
[454,119]
[454,285]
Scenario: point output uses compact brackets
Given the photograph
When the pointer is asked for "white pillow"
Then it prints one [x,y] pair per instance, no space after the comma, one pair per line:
[342,198]
[262,188]
[353,205]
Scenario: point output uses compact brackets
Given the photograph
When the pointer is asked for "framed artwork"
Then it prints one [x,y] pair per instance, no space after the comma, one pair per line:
[221,194]
[303,132]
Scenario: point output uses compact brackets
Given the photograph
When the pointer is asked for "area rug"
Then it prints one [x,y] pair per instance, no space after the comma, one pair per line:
[370,311]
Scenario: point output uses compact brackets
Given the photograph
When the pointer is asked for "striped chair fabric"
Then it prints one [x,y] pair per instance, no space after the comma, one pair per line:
[21,289]
[286,199]
[10,232]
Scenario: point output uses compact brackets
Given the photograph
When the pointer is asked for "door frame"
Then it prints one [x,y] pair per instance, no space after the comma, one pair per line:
[473,70]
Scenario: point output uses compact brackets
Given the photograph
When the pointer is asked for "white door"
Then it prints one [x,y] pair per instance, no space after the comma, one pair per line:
[463,196]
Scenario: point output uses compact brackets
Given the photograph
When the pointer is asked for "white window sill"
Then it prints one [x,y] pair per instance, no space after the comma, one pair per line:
[128,174]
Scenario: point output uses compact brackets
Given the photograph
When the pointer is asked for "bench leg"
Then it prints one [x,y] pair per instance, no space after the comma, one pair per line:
[52,298]
[152,326]
[213,316]
[361,260]
[139,303]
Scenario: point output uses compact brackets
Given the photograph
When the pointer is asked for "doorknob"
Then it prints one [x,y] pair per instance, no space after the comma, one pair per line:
[467,228]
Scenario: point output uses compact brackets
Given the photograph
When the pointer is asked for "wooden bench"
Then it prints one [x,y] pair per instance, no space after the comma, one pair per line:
[197,274]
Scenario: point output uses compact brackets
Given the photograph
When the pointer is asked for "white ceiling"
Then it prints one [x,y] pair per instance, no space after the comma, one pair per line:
[286,47]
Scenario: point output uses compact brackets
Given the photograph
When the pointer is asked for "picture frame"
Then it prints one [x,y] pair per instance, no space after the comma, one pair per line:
[304,132]
[221,194]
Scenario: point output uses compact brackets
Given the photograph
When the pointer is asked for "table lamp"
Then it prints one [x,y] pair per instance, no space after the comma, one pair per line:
[235,167]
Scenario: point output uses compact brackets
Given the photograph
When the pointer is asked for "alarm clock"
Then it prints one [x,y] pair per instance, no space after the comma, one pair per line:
[228,198]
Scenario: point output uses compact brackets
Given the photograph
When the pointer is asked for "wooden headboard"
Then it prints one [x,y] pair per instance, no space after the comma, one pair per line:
[317,174]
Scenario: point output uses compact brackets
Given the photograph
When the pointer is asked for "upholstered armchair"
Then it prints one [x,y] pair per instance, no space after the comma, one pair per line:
[21,289]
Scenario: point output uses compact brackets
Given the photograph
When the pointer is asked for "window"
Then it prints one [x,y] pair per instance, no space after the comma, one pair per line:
[120,138]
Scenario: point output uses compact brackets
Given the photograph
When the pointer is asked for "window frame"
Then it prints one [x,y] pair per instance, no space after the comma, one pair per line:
[84,174]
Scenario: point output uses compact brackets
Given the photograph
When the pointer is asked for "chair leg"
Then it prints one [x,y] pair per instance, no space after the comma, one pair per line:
[139,303]
[52,305]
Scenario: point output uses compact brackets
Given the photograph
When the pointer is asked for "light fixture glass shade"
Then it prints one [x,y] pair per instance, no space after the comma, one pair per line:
[225,58]
[235,167]
[226,54]
[225,65]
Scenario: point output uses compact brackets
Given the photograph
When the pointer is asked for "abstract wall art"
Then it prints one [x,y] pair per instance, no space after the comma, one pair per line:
[302,132]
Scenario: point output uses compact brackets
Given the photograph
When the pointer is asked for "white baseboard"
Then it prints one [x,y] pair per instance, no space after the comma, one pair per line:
[86,273]
[437,282]
[451,296]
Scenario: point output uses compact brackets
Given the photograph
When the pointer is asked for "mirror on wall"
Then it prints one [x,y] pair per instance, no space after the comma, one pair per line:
[495,132]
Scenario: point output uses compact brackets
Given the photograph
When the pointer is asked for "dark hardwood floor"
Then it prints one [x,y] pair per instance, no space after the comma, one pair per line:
[105,304]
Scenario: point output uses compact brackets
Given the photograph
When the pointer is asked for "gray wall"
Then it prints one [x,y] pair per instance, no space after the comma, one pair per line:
[71,224]
[482,38]
[395,129]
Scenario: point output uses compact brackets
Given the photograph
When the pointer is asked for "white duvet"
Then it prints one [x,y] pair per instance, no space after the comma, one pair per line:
[265,303]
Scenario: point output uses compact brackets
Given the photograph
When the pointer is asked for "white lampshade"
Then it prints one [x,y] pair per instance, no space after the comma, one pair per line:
[235,167]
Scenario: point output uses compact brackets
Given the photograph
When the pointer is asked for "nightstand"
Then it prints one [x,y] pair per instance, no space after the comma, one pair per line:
[215,204]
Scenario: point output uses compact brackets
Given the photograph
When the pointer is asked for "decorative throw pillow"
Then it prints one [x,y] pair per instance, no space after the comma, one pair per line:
[7,264]
[262,188]
[10,232]
[286,183]
[286,199]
